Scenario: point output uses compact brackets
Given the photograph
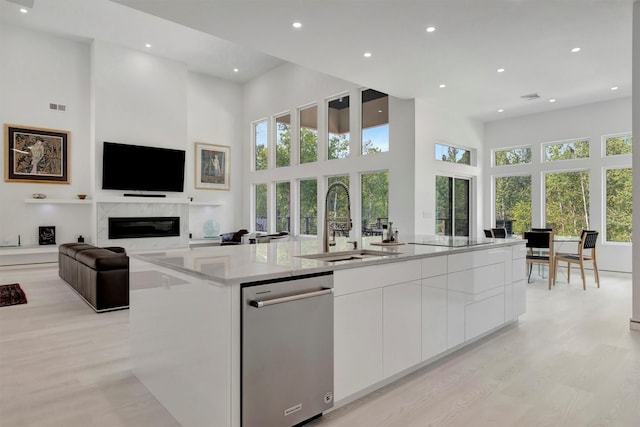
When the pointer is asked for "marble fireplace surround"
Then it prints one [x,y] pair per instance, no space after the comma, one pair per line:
[108,209]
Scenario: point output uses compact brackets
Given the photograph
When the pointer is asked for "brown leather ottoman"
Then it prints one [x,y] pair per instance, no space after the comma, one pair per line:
[103,278]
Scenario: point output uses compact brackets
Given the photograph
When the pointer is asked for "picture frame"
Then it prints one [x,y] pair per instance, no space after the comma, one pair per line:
[36,155]
[47,235]
[212,164]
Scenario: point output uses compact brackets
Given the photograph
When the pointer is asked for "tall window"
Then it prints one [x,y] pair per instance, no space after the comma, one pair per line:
[338,122]
[261,207]
[566,150]
[260,137]
[512,156]
[283,206]
[567,202]
[283,140]
[618,204]
[450,154]
[618,145]
[513,202]
[375,121]
[308,119]
[309,206]
[452,206]
[375,202]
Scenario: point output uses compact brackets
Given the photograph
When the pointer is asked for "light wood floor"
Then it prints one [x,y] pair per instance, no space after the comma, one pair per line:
[570,361]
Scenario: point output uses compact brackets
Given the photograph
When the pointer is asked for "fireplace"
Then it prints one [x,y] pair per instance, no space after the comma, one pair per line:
[138,227]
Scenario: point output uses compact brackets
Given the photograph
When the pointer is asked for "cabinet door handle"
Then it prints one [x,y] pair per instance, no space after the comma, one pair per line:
[290,298]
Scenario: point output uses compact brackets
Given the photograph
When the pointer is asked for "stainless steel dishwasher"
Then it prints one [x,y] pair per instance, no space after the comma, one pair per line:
[287,350]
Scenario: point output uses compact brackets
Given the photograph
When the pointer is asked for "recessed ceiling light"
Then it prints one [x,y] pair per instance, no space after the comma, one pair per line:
[500,70]
[367,55]
[501,111]
[552,100]
[431,29]
[297,25]
[147,45]
[235,70]
[575,49]
[23,10]
[379,111]
[615,88]
[443,85]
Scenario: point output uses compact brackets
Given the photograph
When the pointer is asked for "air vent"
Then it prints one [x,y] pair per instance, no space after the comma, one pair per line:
[530,97]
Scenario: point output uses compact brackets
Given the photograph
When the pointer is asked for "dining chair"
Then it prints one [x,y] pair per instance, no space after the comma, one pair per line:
[488,233]
[588,240]
[540,240]
[499,233]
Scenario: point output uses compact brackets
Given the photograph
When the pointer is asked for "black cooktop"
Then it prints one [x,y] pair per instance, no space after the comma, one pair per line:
[452,242]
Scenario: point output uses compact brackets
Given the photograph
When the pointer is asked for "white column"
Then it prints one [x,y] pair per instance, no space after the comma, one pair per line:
[635,314]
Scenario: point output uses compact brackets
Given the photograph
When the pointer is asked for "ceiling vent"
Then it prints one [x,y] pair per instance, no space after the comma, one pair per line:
[530,97]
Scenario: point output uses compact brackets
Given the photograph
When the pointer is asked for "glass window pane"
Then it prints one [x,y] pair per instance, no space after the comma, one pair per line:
[261,207]
[567,202]
[283,219]
[283,140]
[513,156]
[375,203]
[446,153]
[309,206]
[566,150]
[309,134]
[375,121]
[444,198]
[618,145]
[619,205]
[338,119]
[260,136]
[452,206]
[513,202]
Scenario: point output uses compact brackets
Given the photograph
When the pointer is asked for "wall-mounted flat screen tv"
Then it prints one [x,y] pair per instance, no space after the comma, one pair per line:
[137,167]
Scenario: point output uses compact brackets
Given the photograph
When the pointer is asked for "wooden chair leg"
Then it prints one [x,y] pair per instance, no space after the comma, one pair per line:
[550,276]
[555,270]
[568,272]
[595,270]
[584,280]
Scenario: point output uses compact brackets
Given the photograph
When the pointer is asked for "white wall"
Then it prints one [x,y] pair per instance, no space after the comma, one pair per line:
[215,117]
[38,69]
[433,125]
[588,121]
[289,87]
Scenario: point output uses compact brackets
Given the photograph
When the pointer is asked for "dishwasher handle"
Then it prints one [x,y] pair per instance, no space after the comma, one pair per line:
[296,297]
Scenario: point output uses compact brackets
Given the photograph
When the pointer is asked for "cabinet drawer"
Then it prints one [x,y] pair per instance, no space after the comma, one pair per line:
[435,266]
[519,251]
[482,316]
[375,276]
[469,260]
[519,270]
[478,280]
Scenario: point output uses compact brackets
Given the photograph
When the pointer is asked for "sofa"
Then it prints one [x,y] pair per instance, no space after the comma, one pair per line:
[99,275]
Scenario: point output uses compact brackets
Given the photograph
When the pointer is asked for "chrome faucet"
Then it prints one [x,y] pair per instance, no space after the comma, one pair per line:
[347,220]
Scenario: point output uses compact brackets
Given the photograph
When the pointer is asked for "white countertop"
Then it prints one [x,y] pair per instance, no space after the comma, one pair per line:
[229,265]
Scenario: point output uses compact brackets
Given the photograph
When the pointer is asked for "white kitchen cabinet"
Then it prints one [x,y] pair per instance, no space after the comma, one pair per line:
[401,327]
[434,316]
[357,341]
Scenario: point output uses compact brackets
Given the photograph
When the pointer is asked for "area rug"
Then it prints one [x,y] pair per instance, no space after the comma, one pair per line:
[12,295]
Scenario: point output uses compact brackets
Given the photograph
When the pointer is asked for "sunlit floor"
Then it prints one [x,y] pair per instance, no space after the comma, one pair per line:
[571,360]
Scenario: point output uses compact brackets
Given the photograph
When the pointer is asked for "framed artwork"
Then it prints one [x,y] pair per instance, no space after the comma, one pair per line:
[212,166]
[36,155]
[47,235]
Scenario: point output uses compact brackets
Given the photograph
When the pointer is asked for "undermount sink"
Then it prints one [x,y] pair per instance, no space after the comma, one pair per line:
[348,255]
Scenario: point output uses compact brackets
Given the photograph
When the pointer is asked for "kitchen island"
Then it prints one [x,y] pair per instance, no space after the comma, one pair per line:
[393,314]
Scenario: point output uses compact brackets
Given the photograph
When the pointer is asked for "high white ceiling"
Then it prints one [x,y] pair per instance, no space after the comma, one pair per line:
[530,39]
